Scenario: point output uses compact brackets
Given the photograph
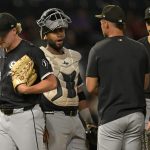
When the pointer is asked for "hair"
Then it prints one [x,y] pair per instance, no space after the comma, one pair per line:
[18,28]
[120,26]
[147,21]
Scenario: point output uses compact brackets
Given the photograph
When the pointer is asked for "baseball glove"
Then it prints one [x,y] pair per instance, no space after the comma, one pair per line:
[91,133]
[23,72]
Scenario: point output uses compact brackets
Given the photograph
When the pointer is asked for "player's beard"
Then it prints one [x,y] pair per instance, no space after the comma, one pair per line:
[54,46]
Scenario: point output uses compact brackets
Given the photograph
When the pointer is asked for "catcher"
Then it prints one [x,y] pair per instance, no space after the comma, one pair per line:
[61,105]
[25,73]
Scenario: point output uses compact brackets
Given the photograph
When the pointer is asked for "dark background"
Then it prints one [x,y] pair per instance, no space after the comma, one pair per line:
[84,30]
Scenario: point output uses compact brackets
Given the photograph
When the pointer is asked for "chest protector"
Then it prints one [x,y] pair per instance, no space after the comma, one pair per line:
[66,69]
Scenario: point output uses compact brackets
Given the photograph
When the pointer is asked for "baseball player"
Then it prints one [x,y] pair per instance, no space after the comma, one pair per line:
[116,69]
[25,73]
[146,41]
[61,105]
[2,56]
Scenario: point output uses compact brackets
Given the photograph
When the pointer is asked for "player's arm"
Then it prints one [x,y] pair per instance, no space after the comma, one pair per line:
[45,85]
[85,112]
[92,85]
[147,81]
[84,106]
[92,73]
[147,71]
[87,120]
[83,103]
[148,125]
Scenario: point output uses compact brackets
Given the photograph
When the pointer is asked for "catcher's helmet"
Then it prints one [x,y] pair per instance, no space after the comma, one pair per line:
[51,19]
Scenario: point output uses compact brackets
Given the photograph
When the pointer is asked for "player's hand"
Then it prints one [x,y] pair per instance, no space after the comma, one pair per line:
[45,136]
[22,89]
[148,126]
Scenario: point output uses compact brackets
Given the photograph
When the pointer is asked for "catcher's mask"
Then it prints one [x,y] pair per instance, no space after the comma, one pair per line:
[52,19]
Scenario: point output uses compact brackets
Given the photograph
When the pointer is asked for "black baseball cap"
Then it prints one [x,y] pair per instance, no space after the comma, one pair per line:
[7,22]
[147,13]
[112,13]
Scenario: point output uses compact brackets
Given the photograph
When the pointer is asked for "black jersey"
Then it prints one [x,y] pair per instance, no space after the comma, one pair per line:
[144,40]
[2,58]
[120,64]
[10,98]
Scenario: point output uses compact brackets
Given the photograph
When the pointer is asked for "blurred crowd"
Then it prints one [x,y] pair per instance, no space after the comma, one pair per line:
[84,31]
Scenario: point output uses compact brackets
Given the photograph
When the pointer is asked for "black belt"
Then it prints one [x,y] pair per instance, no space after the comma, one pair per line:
[70,113]
[10,111]
[66,112]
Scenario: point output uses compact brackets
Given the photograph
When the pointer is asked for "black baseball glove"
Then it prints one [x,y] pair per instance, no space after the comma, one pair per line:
[91,134]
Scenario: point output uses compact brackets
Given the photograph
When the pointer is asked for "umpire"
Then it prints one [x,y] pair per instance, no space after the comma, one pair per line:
[118,64]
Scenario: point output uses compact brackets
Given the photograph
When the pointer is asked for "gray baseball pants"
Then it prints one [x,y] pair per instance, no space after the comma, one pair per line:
[23,130]
[147,111]
[65,132]
[122,134]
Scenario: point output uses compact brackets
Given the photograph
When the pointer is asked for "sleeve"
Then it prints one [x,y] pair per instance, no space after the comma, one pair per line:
[80,85]
[2,59]
[140,40]
[147,58]
[92,70]
[43,67]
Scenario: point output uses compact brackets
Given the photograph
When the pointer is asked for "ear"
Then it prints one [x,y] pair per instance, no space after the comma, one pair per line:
[107,24]
[14,30]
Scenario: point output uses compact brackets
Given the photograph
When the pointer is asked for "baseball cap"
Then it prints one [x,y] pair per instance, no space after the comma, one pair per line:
[147,13]
[112,13]
[7,22]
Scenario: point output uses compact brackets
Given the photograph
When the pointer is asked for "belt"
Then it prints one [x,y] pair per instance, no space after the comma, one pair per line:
[10,111]
[70,113]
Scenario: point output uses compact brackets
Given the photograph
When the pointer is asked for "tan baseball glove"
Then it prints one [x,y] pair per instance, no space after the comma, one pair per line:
[23,72]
